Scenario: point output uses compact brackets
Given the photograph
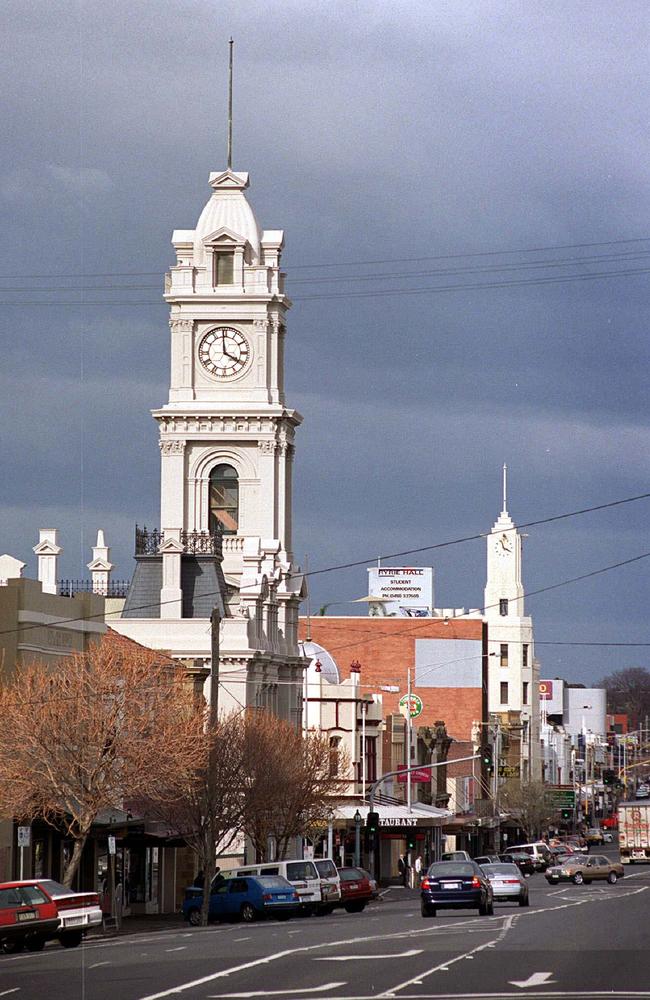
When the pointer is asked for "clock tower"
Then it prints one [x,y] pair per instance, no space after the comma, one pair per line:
[226,451]
[513,672]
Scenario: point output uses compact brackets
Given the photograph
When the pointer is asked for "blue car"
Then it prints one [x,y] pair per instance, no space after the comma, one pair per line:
[244,898]
[452,885]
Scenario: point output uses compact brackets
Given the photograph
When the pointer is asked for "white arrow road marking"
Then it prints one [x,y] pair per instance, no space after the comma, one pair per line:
[357,958]
[277,993]
[537,979]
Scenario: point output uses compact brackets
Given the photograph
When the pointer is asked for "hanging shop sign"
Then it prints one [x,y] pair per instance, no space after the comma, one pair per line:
[411,705]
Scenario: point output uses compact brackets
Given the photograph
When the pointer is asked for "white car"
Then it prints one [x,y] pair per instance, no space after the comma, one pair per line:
[78,911]
[643,792]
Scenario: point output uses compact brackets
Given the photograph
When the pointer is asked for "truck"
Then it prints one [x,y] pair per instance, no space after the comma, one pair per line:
[634,831]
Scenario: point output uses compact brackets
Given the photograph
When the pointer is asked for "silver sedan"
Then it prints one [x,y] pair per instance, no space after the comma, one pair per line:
[507,883]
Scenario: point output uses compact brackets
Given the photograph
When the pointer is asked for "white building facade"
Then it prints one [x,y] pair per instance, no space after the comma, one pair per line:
[227,446]
[513,673]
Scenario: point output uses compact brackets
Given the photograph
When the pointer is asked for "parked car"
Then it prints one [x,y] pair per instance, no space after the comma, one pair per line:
[539,853]
[246,898]
[452,885]
[487,859]
[456,856]
[330,885]
[302,874]
[357,889]
[78,911]
[28,916]
[643,791]
[507,883]
[608,837]
[585,870]
[577,843]
[523,861]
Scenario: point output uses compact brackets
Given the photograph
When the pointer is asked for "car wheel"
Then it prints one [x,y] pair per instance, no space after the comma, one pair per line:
[324,911]
[524,900]
[482,910]
[36,943]
[490,909]
[70,939]
[248,913]
[578,878]
[612,877]
[12,947]
[355,907]
[428,910]
[283,916]
[194,918]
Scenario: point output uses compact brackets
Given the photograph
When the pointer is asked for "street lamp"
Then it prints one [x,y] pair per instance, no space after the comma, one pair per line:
[357,838]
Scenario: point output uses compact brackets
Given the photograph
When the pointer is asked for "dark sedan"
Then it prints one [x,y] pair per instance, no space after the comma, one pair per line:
[523,861]
[456,885]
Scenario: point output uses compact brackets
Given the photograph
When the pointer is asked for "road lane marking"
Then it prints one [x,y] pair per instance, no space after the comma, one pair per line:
[417,980]
[192,984]
[357,958]
[535,979]
[5,993]
[277,993]
[96,965]
[182,947]
[236,940]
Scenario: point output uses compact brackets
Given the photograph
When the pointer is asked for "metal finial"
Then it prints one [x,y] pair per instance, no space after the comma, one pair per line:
[505,487]
[230,44]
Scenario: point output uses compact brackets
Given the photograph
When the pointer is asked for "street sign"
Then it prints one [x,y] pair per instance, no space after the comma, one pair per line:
[24,836]
[111,845]
[411,705]
[421,775]
[562,798]
[509,771]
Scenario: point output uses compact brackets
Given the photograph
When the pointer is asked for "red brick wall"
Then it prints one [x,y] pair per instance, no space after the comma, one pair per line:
[385,648]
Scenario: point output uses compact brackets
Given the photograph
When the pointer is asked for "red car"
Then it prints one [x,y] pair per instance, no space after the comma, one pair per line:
[357,889]
[28,916]
[610,823]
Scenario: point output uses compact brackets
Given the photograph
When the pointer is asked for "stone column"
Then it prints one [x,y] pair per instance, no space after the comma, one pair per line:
[171,594]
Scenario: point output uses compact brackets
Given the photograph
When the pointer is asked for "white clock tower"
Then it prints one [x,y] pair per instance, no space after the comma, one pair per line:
[226,446]
[513,674]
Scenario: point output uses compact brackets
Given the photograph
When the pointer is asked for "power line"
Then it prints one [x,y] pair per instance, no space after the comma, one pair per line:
[351,263]
[364,562]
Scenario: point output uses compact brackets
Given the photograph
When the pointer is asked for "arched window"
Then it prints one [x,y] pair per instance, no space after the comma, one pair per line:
[224,500]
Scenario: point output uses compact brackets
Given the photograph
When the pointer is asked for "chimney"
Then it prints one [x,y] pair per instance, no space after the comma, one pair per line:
[48,552]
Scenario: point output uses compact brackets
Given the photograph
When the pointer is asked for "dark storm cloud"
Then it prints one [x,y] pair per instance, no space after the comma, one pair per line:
[372,131]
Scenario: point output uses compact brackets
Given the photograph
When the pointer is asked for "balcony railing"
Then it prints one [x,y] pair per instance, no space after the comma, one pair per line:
[149,540]
[114,588]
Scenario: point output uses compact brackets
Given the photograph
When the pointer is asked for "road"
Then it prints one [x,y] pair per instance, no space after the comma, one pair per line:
[573,941]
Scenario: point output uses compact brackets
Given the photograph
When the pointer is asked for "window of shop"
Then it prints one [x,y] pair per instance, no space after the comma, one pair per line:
[370,751]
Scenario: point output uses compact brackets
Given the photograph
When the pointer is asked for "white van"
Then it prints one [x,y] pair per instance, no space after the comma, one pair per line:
[539,852]
[330,884]
[303,875]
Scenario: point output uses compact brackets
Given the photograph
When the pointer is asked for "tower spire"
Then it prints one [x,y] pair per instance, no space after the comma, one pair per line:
[505,488]
[230,45]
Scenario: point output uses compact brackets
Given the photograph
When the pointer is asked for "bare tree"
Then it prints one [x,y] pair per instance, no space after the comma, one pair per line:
[204,804]
[288,779]
[531,805]
[80,736]
[628,691]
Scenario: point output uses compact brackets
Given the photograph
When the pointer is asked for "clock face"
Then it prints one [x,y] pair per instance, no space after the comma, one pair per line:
[224,352]
[503,545]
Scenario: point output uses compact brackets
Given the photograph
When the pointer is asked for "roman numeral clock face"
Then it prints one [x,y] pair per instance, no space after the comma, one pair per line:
[224,352]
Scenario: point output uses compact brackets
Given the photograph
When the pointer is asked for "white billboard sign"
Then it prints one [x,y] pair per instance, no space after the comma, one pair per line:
[400,591]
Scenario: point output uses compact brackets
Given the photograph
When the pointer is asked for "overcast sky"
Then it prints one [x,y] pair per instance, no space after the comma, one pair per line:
[372,131]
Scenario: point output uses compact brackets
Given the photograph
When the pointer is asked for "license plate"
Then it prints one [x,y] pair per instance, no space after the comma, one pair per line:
[451,885]
[282,897]
[74,921]
[31,915]
[353,885]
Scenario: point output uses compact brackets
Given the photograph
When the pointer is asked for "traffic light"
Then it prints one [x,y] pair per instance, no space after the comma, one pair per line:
[486,756]
[609,777]
[410,841]
[567,814]
[371,830]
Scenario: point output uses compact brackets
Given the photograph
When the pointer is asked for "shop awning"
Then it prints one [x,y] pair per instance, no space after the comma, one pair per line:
[396,814]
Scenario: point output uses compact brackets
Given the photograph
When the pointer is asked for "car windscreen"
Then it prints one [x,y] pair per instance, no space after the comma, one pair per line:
[297,870]
[451,868]
[273,882]
[326,869]
[351,874]
[501,869]
[55,888]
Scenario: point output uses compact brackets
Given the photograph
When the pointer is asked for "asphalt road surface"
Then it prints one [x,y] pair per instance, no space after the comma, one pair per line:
[573,941]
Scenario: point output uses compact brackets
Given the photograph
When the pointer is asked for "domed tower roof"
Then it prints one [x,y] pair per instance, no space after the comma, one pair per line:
[228,209]
[327,664]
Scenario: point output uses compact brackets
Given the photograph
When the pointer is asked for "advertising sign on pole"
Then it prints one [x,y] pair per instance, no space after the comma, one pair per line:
[24,836]
[400,591]
[111,845]
[410,704]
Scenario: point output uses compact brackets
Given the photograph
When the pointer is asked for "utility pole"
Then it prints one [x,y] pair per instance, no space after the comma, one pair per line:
[215,622]
[495,762]
[409,724]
